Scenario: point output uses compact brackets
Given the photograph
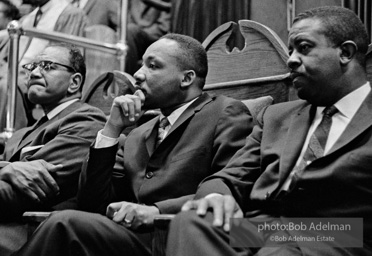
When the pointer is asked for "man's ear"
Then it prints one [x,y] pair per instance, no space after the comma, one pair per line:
[75,83]
[188,78]
[348,51]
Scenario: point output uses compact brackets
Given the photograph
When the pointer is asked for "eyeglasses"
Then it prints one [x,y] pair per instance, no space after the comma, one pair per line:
[45,66]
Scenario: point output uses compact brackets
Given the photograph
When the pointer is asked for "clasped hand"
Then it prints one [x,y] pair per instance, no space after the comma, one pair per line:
[224,207]
[125,111]
[132,215]
[32,178]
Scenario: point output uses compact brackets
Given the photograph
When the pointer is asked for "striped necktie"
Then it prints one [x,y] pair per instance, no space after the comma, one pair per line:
[164,122]
[314,150]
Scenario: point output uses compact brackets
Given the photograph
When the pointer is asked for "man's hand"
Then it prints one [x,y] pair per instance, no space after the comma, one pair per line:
[132,215]
[33,178]
[125,111]
[224,207]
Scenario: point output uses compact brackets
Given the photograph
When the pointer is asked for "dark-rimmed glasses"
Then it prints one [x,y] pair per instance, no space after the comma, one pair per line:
[45,66]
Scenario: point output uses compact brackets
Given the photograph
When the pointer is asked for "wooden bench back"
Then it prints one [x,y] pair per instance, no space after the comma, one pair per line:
[259,69]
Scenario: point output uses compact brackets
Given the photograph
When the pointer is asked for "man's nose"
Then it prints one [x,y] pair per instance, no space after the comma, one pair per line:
[139,76]
[293,61]
[36,72]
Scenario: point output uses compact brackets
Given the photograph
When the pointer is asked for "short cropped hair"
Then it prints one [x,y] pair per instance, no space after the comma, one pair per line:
[76,59]
[192,55]
[340,25]
[12,11]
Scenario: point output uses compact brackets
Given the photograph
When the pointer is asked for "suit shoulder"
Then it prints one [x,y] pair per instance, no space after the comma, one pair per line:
[227,101]
[284,108]
[85,110]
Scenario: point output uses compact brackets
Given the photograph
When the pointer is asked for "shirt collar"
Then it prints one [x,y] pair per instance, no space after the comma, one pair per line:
[172,118]
[59,108]
[350,103]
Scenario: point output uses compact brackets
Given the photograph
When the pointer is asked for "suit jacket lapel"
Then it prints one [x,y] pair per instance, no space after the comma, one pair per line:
[150,134]
[295,139]
[31,136]
[360,122]
[190,111]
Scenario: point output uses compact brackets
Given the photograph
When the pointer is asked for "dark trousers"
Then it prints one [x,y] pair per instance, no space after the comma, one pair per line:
[72,232]
[190,234]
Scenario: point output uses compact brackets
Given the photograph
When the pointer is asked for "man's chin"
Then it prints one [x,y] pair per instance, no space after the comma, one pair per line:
[33,97]
[301,93]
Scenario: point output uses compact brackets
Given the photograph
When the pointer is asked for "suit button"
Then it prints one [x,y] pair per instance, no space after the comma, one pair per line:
[149,175]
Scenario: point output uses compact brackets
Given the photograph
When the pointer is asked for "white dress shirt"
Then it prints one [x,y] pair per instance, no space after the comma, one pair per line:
[347,107]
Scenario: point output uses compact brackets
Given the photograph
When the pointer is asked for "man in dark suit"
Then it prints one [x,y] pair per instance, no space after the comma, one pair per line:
[43,162]
[162,165]
[273,174]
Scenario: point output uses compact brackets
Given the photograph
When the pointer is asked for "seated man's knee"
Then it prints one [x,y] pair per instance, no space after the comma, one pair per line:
[62,218]
[189,219]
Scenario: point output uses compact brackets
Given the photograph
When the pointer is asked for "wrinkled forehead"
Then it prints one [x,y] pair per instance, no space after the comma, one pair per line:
[310,27]
[55,54]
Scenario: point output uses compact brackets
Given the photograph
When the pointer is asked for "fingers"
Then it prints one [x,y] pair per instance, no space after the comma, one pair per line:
[190,205]
[43,186]
[132,215]
[112,209]
[141,95]
[224,208]
[121,212]
[34,180]
[51,187]
[54,168]
[22,185]
[229,206]
[131,105]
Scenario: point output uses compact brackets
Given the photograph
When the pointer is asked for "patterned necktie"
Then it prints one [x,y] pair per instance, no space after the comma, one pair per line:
[37,17]
[164,122]
[315,148]
[319,138]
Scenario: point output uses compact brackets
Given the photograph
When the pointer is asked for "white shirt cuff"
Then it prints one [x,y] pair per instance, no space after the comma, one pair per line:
[103,141]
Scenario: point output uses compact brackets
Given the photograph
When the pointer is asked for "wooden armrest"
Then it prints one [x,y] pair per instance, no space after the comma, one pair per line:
[35,216]
[33,220]
[161,225]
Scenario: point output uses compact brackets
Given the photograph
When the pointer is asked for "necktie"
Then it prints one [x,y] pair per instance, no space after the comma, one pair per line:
[315,148]
[319,138]
[37,17]
[164,122]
